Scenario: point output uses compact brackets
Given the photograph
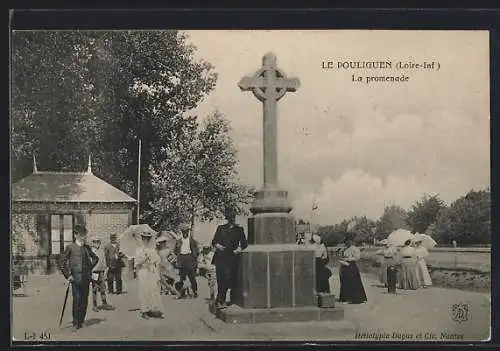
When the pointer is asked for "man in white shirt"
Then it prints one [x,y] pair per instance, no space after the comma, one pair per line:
[186,249]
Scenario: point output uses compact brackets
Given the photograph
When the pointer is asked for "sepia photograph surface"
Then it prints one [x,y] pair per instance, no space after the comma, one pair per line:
[250,185]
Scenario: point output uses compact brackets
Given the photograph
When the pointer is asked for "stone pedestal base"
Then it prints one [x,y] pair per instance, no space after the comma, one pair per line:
[271,228]
[275,276]
[238,315]
[326,300]
[271,200]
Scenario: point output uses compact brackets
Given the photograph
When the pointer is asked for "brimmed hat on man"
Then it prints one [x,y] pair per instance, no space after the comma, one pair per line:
[80,230]
[184,226]
[229,213]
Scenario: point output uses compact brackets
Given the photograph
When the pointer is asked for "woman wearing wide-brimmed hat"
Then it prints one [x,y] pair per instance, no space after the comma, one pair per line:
[147,264]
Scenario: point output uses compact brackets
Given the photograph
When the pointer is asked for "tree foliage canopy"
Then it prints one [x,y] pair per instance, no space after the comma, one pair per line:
[393,218]
[467,220]
[76,93]
[424,213]
[198,178]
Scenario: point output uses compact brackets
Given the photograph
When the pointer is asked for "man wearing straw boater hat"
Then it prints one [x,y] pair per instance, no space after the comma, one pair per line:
[76,264]
[187,251]
[115,264]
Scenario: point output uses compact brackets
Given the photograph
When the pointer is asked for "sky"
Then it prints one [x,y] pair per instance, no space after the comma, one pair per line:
[353,147]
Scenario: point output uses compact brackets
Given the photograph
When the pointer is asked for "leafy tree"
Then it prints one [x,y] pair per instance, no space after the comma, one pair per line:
[363,229]
[467,220]
[197,177]
[394,218]
[424,213]
[51,101]
[98,92]
[334,234]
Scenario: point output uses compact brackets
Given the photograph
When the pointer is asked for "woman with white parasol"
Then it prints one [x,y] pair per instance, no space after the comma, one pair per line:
[422,243]
[147,264]
[407,275]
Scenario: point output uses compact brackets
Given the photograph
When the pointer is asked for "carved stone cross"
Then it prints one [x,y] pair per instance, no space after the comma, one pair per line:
[269,84]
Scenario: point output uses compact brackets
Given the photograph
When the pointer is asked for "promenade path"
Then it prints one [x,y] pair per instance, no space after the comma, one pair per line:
[388,317]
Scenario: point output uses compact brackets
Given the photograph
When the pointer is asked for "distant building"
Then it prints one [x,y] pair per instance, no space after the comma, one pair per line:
[46,206]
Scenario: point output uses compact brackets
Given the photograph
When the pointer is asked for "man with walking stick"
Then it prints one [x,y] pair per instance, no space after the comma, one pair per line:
[76,264]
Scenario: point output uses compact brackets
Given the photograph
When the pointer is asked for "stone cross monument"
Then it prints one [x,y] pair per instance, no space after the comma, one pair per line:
[269,84]
[277,276]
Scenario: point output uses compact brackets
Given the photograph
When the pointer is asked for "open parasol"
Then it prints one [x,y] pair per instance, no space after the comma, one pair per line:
[427,241]
[130,239]
[399,237]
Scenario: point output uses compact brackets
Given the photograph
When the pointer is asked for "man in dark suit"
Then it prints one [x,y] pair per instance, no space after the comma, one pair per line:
[187,251]
[76,265]
[229,240]
[114,264]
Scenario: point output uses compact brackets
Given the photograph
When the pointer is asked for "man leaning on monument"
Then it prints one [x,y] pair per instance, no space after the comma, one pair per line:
[229,240]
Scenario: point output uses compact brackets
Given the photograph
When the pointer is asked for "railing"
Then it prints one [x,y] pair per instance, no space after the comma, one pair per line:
[332,249]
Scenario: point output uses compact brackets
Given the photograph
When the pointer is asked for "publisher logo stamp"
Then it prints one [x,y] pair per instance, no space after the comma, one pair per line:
[460,312]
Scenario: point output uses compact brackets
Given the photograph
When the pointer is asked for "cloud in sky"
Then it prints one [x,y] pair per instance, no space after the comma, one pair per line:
[357,147]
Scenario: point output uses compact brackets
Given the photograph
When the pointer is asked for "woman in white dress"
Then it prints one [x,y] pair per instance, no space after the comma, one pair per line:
[147,264]
[423,275]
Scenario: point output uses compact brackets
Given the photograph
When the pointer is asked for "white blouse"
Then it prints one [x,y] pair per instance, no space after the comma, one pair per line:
[321,251]
[390,252]
[407,251]
[352,253]
[421,252]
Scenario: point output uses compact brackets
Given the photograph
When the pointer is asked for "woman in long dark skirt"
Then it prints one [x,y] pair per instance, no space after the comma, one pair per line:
[323,274]
[351,286]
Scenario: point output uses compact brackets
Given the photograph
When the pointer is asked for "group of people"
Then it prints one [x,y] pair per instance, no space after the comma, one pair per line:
[160,269]
[351,287]
[404,267]
[87,266]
